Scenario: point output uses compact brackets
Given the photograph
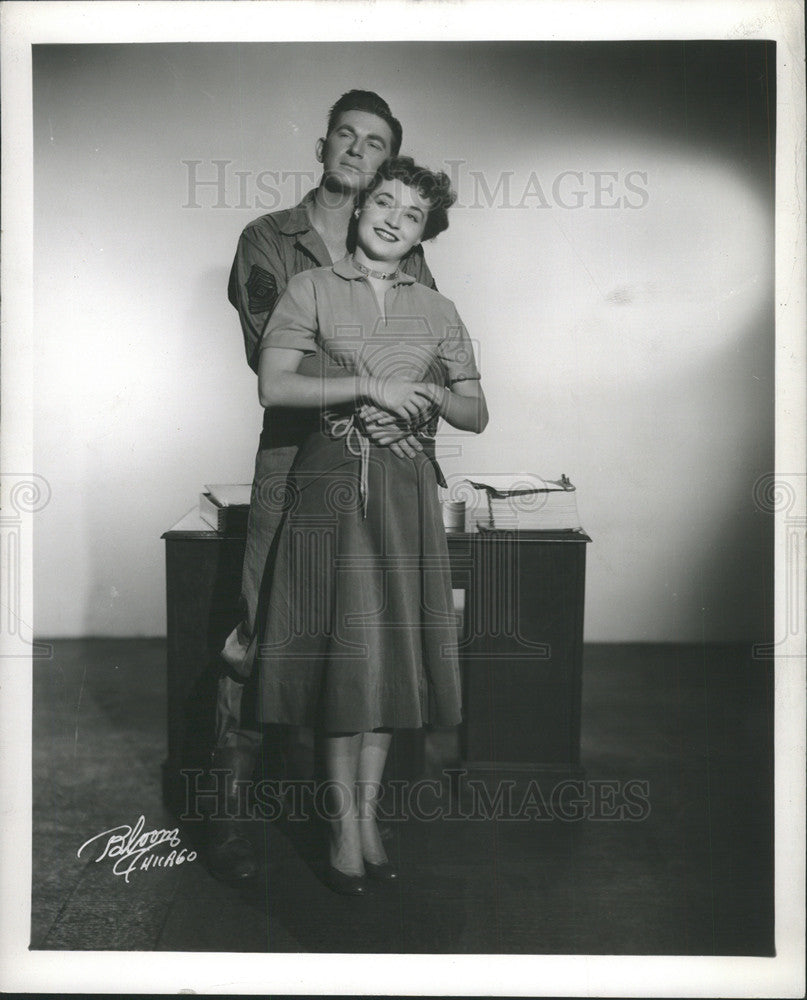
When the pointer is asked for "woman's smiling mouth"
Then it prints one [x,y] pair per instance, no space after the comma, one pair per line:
[386,236]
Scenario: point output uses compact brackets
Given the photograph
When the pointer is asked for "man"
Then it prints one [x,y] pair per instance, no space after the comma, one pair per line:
[361,134]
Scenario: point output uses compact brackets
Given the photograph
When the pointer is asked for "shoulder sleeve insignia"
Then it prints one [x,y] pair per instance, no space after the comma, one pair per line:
[261,289]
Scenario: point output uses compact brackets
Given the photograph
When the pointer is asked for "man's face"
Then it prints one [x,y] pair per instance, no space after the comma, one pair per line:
[353,151]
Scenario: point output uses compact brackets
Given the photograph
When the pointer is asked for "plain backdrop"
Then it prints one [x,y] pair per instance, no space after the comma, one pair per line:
[611,255]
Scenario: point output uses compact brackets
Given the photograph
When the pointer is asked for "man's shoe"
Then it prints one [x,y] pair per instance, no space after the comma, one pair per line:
[233,860]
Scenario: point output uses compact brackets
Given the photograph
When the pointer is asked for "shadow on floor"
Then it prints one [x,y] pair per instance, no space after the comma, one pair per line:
[666,847]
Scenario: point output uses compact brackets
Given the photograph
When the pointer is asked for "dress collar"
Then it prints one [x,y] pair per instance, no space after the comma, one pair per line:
[345,268]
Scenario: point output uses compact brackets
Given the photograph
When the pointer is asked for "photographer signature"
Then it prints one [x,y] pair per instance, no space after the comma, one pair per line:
[131,848]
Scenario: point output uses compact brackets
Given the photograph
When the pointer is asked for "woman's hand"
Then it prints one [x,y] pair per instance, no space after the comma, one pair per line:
[403,399]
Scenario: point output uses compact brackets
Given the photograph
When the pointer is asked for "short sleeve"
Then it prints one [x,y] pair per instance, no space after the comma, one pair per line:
[456,351]
[293,324]
[257,279]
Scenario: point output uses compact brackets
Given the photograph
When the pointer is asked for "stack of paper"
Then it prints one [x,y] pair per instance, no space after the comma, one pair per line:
[526,502]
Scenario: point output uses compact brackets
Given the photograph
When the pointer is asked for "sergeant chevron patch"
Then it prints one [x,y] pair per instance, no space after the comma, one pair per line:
[261,288]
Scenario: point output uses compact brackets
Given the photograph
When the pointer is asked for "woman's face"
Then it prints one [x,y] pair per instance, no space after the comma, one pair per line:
[391,221]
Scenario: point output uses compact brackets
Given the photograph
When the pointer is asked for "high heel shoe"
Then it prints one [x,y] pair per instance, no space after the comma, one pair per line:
[344,884]
[382,872]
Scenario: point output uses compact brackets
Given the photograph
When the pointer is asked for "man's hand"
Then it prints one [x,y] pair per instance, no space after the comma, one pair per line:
[400,440]
[383,429]
[375,415]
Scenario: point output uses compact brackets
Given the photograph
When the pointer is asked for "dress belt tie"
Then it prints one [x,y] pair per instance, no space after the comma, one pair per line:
[358,446]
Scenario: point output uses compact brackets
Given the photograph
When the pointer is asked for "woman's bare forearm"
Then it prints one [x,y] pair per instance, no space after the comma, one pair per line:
[285,388]
[466,413]
[280,384]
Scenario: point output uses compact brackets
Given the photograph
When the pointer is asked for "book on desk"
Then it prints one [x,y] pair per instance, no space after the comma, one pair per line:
[225,507]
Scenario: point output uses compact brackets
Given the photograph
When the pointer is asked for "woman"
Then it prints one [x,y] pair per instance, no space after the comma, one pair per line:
[360,633]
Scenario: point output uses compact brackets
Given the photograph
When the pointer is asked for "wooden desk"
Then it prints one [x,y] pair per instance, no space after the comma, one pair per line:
[520,649]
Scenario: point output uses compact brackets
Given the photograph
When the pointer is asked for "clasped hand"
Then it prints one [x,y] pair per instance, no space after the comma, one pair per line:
[396,408]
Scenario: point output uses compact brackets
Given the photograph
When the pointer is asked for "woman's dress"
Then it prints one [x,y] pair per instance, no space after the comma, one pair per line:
[359,627]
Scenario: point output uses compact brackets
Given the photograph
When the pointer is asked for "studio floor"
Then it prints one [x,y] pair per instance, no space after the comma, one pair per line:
[691,873]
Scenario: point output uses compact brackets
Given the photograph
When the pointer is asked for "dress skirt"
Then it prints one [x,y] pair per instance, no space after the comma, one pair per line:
[359,631]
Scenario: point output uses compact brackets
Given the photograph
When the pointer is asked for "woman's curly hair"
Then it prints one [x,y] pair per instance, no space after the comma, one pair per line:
[435,188]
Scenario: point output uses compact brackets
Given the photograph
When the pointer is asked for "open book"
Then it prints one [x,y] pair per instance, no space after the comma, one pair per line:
[526,502]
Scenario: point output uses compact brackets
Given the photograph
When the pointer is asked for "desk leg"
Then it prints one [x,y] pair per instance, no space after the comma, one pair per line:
[202,586]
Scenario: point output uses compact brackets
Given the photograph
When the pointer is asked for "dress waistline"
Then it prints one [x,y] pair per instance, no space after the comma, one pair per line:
[351,429]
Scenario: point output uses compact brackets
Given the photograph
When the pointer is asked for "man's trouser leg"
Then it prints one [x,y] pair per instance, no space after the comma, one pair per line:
[238,738]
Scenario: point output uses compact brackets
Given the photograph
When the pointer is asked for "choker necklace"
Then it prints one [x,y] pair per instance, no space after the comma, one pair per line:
[383,276]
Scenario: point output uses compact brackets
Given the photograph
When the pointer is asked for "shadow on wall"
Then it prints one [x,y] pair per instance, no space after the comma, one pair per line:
[682,547]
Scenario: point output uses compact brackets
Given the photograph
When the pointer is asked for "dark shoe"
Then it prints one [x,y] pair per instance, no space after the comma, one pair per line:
[232,861]
[230,854]
[344,884]
[383,872]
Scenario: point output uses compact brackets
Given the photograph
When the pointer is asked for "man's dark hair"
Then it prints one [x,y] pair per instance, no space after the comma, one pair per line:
[433,187]
[366,100]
